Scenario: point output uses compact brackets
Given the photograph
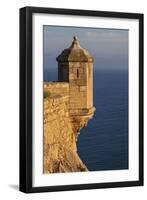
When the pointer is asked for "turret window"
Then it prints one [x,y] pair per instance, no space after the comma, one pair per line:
[77,73]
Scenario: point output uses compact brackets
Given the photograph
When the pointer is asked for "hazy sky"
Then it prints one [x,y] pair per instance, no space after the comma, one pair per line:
[109,47]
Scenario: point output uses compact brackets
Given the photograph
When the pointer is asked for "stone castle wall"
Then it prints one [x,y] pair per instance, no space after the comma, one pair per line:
[60,150]
[61,88]
[61,128]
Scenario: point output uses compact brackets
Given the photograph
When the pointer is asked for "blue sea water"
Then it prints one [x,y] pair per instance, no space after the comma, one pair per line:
[103,144]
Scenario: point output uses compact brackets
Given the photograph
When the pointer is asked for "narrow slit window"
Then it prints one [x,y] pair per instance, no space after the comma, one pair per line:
[77,73]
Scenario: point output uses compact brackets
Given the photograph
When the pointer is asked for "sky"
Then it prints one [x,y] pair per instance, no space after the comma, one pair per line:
[109,47]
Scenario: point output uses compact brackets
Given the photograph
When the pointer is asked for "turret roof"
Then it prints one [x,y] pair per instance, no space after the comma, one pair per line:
[75,53]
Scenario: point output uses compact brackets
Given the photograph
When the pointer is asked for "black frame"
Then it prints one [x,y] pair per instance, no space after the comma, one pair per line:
[26,98]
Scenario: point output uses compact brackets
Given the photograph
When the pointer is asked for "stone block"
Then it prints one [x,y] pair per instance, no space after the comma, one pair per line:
[83,88]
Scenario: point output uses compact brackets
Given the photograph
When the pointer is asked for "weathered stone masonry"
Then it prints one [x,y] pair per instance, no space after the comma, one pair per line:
[67,108]
[60,151]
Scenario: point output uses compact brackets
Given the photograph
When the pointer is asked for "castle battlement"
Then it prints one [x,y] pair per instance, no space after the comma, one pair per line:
[61,88]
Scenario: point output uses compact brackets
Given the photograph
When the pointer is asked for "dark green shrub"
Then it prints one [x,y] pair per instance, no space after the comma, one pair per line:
[46,94]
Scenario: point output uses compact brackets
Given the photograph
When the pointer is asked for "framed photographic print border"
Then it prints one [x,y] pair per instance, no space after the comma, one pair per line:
[26,102]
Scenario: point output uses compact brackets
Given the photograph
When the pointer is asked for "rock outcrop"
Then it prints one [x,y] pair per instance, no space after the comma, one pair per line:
[60,149]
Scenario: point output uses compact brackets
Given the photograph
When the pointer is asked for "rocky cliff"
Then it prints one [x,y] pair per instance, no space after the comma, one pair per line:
[60,149]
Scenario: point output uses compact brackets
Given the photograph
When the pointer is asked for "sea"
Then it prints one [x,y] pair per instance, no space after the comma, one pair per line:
[103,143]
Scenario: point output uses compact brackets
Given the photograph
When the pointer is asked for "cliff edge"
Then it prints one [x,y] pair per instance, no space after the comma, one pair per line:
[60,149]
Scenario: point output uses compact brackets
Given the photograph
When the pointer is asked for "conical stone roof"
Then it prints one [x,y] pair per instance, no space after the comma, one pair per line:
[75,53]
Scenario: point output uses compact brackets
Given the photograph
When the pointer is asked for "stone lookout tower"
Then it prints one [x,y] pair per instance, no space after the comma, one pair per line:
[75,66]
[68,106]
